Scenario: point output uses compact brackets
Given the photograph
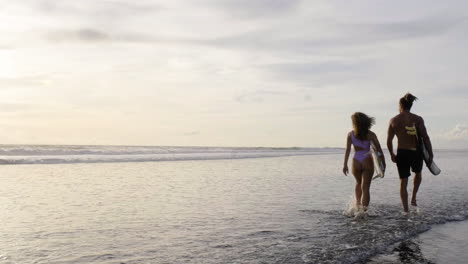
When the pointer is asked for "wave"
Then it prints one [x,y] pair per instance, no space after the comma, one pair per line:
[101,154]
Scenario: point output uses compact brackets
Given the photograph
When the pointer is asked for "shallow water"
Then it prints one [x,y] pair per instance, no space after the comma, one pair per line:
[442,244]
[269,210]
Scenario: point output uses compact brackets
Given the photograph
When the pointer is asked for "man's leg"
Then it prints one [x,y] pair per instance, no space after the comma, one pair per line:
[416,183]
[404,193]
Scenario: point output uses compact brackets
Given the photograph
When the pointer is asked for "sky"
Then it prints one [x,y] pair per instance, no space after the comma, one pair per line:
[278,73]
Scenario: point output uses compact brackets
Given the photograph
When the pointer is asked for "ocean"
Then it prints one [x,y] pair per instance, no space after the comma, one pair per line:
[115,204]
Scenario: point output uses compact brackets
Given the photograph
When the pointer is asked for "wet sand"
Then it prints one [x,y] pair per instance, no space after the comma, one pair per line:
[446,243]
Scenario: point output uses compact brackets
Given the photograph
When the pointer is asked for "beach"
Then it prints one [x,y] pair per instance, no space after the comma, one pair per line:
[121,205]
[214,131]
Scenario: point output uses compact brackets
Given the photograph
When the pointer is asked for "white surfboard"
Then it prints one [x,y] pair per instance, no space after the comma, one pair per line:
[433,168]
[378,162]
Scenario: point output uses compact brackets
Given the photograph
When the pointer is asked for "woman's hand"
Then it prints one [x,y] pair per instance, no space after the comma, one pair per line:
[345,170]
[393,157]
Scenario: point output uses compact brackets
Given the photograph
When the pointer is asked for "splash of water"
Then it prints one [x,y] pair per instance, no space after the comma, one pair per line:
[352,209]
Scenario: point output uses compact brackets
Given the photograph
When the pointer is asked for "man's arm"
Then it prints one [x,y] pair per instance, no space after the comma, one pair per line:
[390,136]
[427,140]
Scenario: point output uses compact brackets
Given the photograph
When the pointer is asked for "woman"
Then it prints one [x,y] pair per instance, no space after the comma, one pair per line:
[363,165]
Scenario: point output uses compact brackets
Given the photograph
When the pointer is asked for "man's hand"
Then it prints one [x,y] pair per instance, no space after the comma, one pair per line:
[392,155]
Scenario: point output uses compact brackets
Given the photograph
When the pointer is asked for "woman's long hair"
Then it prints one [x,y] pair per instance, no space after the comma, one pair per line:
[406,102]
[361,124]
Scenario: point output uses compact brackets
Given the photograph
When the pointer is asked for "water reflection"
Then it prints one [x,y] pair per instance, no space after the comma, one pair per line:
[410,252]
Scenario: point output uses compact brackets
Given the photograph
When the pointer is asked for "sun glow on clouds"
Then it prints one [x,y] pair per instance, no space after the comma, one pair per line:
[225,72]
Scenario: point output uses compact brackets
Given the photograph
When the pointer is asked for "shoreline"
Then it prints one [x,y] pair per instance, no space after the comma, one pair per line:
[444,243]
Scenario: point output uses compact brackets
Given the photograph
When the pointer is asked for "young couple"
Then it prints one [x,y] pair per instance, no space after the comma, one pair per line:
[406,126]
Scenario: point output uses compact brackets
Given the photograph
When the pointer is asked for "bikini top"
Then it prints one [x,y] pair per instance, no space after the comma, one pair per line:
[363,144]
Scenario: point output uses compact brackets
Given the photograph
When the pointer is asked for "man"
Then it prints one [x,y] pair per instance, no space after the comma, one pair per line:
[406,127]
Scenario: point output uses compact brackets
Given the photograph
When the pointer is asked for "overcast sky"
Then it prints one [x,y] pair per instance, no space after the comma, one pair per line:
[228,72]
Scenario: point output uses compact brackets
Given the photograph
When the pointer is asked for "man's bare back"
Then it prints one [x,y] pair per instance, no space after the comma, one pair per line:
[403,126]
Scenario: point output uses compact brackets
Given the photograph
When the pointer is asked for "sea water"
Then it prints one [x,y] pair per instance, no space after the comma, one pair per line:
[445,243]
[88,204]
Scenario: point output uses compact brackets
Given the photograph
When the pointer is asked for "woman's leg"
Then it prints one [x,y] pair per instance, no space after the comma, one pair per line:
[367,173]
[366,182]
[357,172]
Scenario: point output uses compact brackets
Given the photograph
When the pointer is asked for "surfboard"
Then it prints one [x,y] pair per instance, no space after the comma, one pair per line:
[433,168]
[378,162]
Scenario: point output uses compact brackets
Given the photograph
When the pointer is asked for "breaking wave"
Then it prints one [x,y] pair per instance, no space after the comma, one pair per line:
[101,154]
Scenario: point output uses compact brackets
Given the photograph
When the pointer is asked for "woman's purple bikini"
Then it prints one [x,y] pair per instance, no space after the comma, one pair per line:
[364,148]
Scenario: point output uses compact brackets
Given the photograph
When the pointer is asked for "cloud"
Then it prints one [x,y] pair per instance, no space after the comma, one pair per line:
[87,21]
[459,132]
[121,21]
[84,35]
[255,9]
[25,81]
[191,133]
[96,9]
[96,35]
[9,107]
[201,60]
[259,96]
[320,72]
[417,28]
[6,47]
[306,36]
[450,90]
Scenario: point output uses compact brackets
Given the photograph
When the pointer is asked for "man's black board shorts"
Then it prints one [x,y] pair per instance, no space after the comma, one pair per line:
[407,159]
